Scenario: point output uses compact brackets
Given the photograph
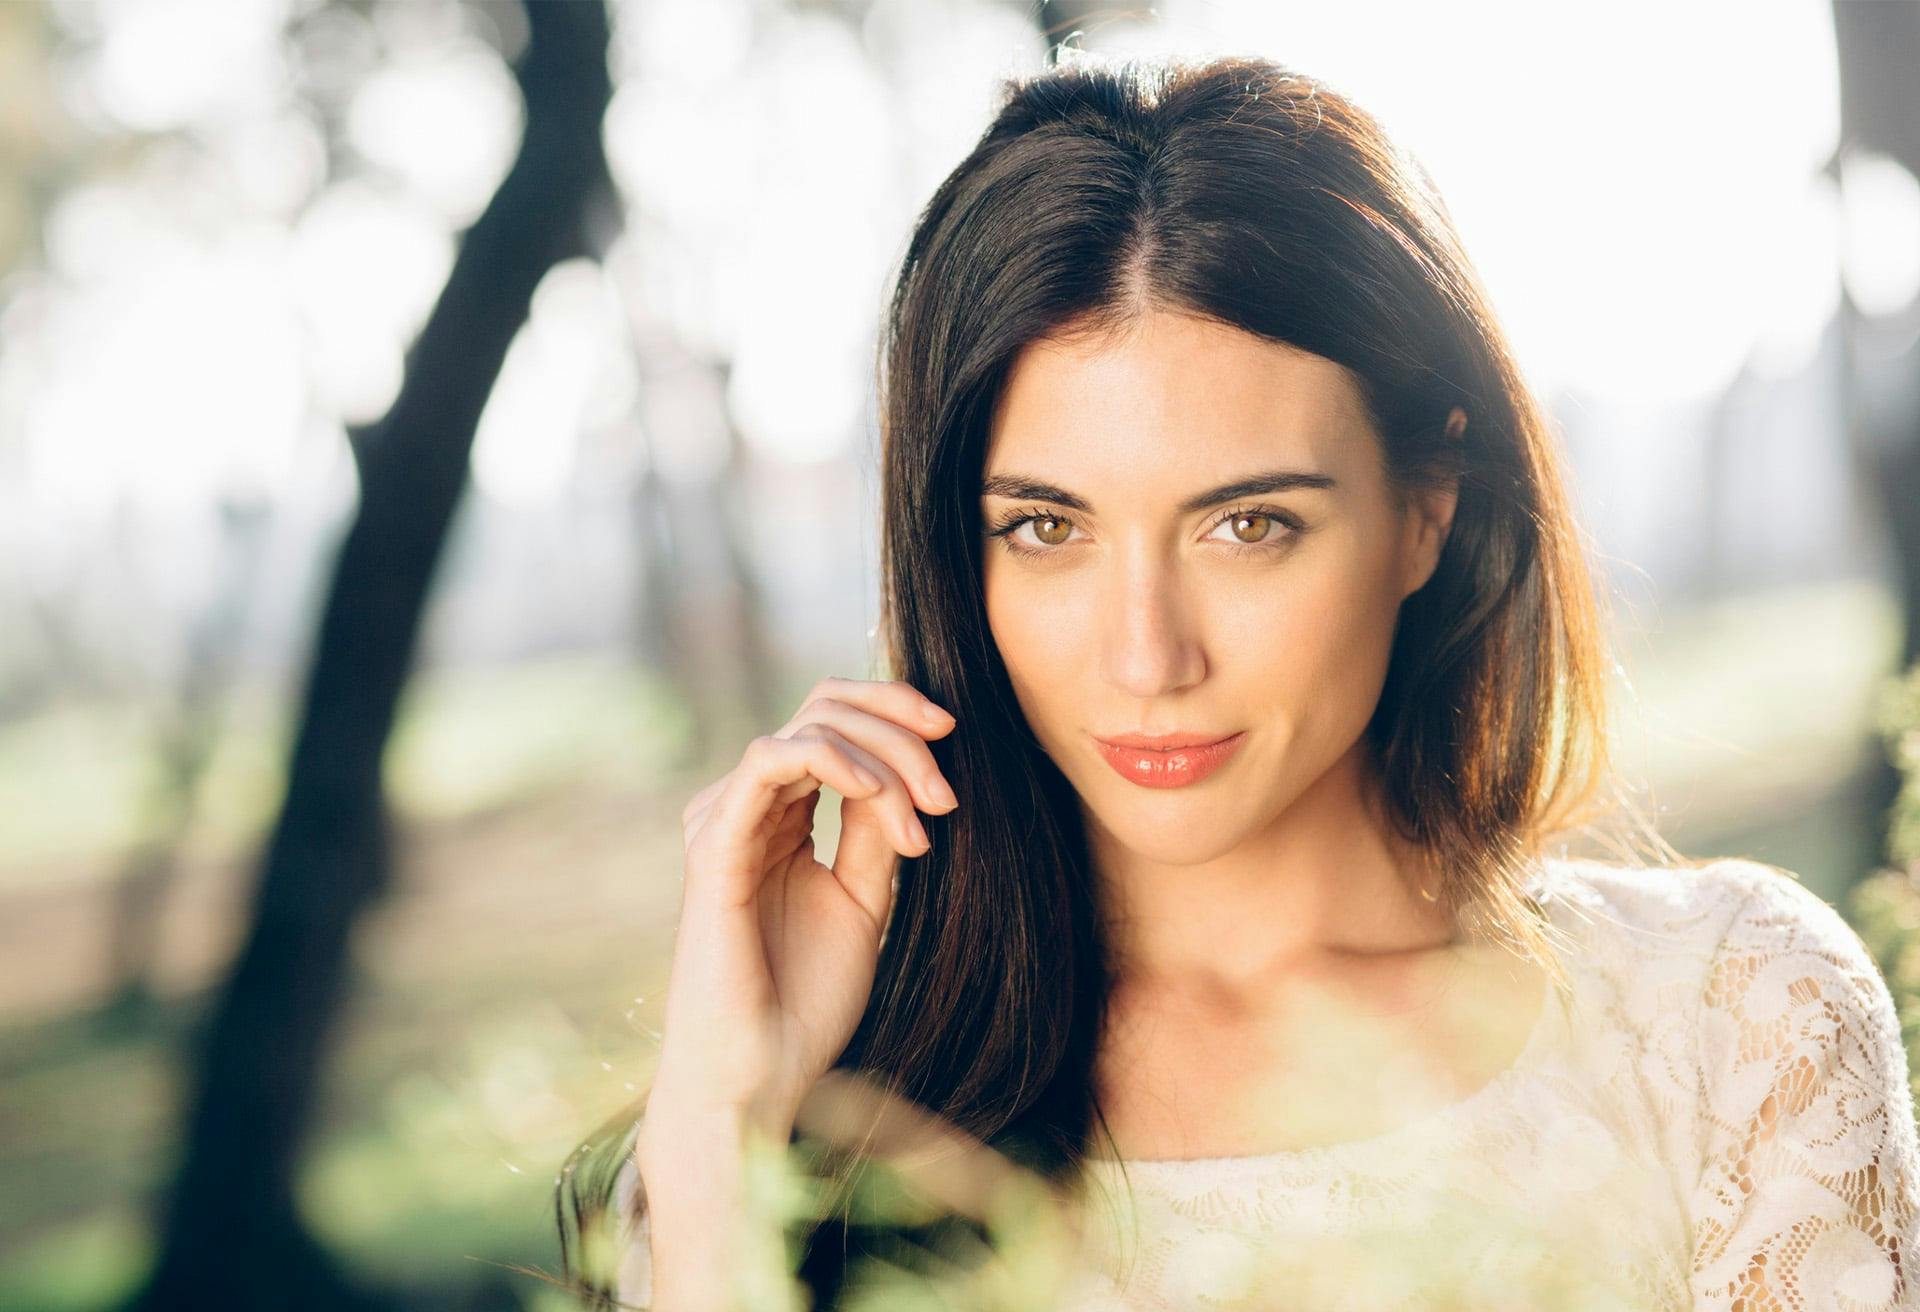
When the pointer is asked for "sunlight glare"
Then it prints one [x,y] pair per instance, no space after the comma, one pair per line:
[1880,216]
[368,264]
[446,121]
[567,371]
[170,381]
[1627,208]
[165,64]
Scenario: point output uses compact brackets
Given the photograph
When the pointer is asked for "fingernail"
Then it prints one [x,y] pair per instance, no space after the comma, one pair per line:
[943,793]
[935,715]
[919,832]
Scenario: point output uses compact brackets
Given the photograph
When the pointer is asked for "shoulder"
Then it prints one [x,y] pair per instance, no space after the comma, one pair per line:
[1806,1124]
[1653,914]
[1726,938]
[1792,985]
[1730,915]
[1730,948]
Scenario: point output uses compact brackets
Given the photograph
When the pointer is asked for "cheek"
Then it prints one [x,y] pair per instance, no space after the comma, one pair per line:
[1318,636]
[1039,631]
[1340,606]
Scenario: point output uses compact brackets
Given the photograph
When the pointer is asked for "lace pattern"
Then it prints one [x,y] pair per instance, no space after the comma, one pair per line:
[1807,1196]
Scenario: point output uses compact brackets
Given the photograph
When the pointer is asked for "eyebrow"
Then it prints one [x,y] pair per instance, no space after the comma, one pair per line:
[1021,487]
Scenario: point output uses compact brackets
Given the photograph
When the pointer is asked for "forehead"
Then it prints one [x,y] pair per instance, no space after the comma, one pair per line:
[1175,397]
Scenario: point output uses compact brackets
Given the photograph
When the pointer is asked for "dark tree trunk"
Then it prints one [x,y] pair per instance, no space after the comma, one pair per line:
[231,1235]
[1879,48]
[1059,20]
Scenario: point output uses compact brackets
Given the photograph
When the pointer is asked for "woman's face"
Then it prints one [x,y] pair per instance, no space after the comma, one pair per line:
[1148,596]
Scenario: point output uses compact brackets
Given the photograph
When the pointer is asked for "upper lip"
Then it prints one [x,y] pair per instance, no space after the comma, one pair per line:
[1163,742]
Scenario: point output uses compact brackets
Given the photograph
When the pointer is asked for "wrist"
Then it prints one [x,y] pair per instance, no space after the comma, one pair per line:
[712,1233]
[696,1107]
[681,1123]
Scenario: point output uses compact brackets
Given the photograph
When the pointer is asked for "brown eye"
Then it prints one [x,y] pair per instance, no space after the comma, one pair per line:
[1258,530]
[1064,529]
[1263,524]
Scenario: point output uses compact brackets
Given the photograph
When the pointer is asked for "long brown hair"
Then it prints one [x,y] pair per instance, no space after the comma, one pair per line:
[1244,191]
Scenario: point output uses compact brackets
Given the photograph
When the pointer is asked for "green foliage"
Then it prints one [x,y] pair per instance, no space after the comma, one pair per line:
[1024,1251]
[1885,907]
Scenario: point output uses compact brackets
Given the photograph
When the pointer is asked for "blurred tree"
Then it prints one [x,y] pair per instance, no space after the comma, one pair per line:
[186,741]
[758,661]
[1878,48]
[231,1233]
[702,618]
[43,154]
[41,151]
[1077,22]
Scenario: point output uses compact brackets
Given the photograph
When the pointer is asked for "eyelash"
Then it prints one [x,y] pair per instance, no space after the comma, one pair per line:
[1005,528]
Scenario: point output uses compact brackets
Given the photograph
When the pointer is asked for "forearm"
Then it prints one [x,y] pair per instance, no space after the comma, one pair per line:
[691,1156]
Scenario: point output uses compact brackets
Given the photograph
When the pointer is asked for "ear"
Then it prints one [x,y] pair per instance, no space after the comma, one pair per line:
[1430,519]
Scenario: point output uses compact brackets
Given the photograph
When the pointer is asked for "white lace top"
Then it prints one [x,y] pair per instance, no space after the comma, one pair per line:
[1718,1115]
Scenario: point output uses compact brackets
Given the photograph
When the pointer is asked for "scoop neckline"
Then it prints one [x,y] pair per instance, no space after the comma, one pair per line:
[1421,1127]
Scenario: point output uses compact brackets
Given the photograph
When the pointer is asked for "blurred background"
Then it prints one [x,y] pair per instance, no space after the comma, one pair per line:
[436,434]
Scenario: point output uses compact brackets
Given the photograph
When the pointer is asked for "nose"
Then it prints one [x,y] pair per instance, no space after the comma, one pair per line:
[1150,644]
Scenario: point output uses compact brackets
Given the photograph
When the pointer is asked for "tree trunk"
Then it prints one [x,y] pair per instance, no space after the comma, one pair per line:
[1078,23]
[231,1235]
[1878,48]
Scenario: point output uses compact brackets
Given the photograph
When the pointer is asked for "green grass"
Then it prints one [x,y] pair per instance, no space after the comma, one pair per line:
[75,779]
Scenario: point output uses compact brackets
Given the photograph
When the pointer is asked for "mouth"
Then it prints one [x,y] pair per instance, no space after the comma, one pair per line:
[1170,760]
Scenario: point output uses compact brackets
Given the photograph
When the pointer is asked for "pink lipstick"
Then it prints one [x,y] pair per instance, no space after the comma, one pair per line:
[1168,760]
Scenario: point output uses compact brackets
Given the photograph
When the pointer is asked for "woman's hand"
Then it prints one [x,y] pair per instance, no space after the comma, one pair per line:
[774,956]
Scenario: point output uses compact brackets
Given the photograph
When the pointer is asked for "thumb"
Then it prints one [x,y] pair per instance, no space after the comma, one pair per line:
[865,859]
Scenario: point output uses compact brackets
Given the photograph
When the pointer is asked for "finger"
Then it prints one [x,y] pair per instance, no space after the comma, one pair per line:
[865,859]
[898,701]
[733,840]
[891,800]
[793,830]
[695,816]
[895,699]
[701,804]
[904,751]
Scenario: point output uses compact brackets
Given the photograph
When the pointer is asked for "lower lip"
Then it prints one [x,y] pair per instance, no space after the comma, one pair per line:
[1170,769]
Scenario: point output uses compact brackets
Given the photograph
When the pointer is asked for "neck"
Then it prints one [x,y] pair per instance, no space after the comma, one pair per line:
[1326,882]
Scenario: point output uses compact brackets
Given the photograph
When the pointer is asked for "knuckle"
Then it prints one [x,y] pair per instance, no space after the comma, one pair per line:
[810,706]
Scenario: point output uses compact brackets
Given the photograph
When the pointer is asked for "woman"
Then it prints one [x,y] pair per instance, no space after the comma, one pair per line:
[1247,671]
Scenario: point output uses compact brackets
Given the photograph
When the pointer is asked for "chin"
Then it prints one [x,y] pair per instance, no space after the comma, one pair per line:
[1164,835]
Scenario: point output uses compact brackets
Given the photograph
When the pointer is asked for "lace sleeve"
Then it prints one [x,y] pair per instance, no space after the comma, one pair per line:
[1809,1183]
